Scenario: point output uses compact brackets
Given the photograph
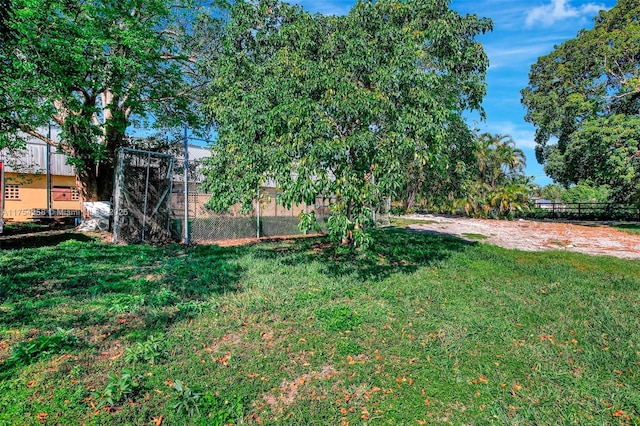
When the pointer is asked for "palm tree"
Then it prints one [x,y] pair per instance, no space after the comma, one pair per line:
[501,186]
[499,159]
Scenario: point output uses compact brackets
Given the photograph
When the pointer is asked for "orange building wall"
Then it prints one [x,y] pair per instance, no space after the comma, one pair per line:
[32,202]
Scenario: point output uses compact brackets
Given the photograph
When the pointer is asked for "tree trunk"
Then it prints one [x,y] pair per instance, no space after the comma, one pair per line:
[95,181]
[410,200]
[114,139]
[87,182]
[105,179]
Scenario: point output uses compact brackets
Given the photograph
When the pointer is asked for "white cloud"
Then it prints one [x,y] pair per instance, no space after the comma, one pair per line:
[559,10]
[522,134]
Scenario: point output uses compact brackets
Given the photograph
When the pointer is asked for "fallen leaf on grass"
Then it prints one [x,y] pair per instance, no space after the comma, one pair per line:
[515,388]
[157,421]
[621,413]
[480,379]
[365,414]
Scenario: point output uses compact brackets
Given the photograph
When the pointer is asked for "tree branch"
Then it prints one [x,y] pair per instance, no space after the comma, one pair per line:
[39,136]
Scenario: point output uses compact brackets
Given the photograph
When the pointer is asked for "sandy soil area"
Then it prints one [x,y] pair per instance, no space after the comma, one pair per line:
[590,238]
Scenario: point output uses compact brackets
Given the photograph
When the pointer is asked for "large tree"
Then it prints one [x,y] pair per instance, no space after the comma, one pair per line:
[94,68]
[341,106]
[584,99]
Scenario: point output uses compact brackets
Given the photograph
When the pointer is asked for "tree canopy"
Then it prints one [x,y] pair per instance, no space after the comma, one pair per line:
[341,106]
[94,68]
[584,99]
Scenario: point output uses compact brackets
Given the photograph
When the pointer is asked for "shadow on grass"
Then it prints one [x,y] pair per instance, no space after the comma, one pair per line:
[394,251]
[43,239]
[106,291]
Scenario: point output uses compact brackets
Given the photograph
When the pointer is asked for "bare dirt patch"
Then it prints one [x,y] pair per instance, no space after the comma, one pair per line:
[590,238]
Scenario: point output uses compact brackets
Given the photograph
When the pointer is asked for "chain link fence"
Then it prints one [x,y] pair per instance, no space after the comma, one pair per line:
[142,197]
[267,218]
[149,205]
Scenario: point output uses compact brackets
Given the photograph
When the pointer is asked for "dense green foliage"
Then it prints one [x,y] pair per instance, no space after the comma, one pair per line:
[94,68]
[5,17]
[583,192]
[355,107]
[419,327]
[586,95]
[487,181]
[498,187]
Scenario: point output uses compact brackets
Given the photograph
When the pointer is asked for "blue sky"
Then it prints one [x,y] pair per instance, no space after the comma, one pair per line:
[523,31]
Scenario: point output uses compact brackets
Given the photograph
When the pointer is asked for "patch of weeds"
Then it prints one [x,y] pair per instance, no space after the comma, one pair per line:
[307,297]
[338,318]
[222,411]
[76,372]
[149,351]
[191,308]
[474,237]
[126,304]
[119,388]
[164,297]
[187,401]
[27,352]
[348,347]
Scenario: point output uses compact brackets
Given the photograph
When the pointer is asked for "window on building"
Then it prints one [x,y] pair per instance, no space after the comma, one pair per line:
[12,192]
[65,193]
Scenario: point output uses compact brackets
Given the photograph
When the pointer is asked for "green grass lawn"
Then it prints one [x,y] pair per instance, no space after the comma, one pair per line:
[419,329]
[631,228]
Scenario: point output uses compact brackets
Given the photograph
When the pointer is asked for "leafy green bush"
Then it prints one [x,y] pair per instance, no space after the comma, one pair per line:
[27,352]
[186,399]
[119,388]
[149,351]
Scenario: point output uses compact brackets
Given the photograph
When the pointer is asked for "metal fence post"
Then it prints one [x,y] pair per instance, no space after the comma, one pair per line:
[146,196]
[186,187]
[117,189]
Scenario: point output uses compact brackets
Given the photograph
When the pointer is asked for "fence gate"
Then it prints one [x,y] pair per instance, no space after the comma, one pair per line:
[142,197]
